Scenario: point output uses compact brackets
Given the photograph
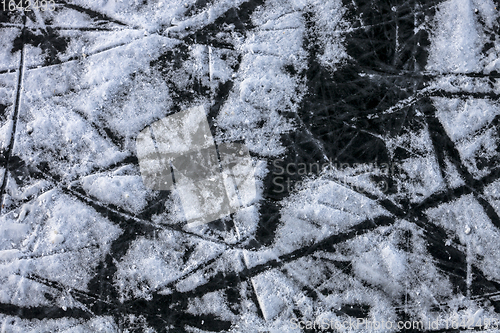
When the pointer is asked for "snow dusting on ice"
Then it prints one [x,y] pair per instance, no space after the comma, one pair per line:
[371,142]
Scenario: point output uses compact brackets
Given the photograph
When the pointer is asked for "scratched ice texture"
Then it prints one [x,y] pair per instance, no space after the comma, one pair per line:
[373,128]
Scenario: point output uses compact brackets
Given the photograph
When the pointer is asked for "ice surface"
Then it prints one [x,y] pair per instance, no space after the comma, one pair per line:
[368,187]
